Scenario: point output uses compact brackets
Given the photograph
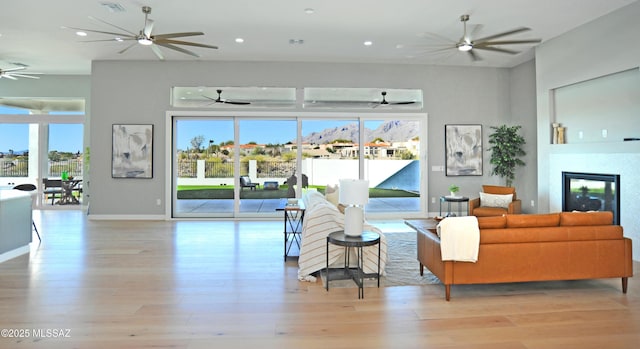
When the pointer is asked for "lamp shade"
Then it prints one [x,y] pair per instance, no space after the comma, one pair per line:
[354,192]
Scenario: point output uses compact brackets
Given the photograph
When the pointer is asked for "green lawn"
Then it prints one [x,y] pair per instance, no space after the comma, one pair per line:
[226,192]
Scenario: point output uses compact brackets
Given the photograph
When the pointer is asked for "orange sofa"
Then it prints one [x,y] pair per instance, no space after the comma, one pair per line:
[533,247]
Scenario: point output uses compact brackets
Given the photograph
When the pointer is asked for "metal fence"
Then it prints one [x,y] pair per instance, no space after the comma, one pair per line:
[20,167]
[187,168]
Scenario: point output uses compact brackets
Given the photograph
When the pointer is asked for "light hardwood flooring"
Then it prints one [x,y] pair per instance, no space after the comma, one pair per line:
[224,284]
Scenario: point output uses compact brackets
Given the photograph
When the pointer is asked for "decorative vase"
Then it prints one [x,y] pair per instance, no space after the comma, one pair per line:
[453,194]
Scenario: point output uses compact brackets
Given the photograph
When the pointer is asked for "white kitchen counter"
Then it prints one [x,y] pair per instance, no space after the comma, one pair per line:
[15,223]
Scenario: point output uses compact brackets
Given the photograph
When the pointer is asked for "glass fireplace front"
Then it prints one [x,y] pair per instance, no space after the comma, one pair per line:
[591,192]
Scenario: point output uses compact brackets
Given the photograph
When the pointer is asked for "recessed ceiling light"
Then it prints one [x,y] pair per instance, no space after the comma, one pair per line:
[296,41]
[81,33]
[368,43]
[309,10]
[239,40]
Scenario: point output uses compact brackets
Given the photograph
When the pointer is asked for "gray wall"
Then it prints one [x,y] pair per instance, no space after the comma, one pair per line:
[593,50]
[139,92]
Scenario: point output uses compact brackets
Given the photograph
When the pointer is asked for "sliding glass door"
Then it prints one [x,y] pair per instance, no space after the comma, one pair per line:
[245,166]
[267,163]
[203,167]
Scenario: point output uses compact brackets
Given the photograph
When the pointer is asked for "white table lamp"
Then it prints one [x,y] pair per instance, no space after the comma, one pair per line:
[354,194]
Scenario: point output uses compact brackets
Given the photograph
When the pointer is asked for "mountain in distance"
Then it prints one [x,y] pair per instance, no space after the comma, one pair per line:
[15,152]
[391,131]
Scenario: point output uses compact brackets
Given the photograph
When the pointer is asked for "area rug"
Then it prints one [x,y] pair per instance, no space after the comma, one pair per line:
[402,268]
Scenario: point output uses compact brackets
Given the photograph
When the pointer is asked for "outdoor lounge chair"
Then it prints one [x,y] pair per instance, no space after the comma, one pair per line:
[245,182]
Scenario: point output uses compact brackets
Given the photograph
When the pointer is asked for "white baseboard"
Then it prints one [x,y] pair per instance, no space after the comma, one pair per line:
[14,253]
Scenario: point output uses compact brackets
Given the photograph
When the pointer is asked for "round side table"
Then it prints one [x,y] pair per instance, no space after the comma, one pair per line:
[357,274]
[449,199]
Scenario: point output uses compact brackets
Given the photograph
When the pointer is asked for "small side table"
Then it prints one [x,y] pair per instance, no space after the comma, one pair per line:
[293,219]
[368,238]
[459,200]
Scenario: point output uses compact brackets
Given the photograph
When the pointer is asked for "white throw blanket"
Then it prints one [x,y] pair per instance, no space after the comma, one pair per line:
[320,219]
[459,239]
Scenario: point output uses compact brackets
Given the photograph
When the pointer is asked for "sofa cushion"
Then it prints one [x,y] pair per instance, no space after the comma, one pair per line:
[494,222]
[550,234]
[586,218]
[533,220]
[312,199]
[489,211]
[332,194]
[495,200]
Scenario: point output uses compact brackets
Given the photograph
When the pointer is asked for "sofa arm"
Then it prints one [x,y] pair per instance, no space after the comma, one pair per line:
[515,207]
[473,204]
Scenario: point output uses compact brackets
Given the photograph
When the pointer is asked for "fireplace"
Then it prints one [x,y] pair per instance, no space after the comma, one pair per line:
[591,192]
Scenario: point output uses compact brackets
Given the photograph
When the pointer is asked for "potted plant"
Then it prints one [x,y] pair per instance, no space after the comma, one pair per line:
[453,189]
[506,148]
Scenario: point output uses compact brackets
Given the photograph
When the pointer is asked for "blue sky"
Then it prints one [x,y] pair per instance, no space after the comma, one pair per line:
[62,137]
[261,132]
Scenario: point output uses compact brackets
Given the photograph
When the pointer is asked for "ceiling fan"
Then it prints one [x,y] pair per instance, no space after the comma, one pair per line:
[226,101]
[320,103]
[489,43]
[385,102]
[147,38]
[13,74]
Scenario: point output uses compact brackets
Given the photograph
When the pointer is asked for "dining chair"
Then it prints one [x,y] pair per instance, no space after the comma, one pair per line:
[29,187]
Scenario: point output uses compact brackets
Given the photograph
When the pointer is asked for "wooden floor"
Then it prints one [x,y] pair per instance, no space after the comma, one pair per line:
[223,284]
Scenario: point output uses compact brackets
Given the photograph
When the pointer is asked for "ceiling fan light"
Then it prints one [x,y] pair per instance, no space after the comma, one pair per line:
[464,47]
[145,41]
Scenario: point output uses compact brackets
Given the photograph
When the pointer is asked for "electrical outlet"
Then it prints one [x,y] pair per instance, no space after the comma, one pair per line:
[433,199]
[158,202]
[533,203]
[604,133]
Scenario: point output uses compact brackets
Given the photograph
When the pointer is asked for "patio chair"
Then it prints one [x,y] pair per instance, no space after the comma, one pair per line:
[52,188]
[28,187]
[245,182]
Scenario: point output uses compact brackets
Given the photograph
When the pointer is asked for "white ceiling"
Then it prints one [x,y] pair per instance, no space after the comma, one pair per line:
[32,33]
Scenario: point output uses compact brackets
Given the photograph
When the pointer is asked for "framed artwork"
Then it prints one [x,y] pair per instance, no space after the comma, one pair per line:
[463,147]
[132,151]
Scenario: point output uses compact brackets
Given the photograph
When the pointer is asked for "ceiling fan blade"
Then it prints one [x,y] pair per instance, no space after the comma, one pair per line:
[26,76]
[474,56]
[180,42]
[110,40]
[496,49]
[402,102]
[476,29]
[211,98]
[508,42]
[12,69]
[236,102]
[510,32]
[103,32]
[438,37]
[157,52]
[179,49]
[113,25]
[128,47]
[148,27]
[177,35]
[8,76]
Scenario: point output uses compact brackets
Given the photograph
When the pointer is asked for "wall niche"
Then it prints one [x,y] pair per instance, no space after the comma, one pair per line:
[602,109]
